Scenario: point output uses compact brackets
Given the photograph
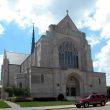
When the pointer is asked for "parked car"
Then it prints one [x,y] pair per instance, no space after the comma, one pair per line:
[92,99]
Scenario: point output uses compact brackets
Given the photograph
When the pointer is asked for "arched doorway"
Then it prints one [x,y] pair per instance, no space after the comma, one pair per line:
[72,86]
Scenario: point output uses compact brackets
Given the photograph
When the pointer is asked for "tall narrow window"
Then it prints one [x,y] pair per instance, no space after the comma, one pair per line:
[66,60]
[77,66]
[60,58]
[42,78]
[71,59]
[99,81]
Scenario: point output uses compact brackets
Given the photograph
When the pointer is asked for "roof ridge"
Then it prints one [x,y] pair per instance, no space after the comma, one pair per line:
[17,53]
[16,58]
[64,23]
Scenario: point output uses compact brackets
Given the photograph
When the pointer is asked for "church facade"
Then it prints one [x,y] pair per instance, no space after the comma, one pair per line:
[60,65]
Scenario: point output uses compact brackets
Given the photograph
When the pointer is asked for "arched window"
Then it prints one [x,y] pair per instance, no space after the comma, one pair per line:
[68,55]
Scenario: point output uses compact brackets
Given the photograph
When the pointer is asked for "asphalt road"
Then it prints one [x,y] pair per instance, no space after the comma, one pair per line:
[106,107]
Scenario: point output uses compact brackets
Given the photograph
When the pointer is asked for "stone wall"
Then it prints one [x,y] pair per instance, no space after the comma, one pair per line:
[13,70]
[99,83]
[41,82]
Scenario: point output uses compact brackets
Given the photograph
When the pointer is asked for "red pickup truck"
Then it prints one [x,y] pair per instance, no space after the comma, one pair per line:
[92,99]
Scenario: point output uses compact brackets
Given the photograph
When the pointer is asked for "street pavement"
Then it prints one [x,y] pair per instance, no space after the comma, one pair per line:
[62,107]
[90,108]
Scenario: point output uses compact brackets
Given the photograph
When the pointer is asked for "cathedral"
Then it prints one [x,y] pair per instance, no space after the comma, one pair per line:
[59,66]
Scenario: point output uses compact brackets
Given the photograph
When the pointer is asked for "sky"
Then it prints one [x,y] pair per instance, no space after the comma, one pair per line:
[90,16]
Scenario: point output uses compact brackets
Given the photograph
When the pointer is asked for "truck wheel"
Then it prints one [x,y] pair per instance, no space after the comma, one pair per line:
[78,105]
[86,105]
[102,103]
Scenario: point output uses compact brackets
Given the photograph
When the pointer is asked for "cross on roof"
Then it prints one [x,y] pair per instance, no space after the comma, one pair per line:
[67,11]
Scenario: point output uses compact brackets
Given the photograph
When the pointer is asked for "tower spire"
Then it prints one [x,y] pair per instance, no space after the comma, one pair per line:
[33,40]
[5,55]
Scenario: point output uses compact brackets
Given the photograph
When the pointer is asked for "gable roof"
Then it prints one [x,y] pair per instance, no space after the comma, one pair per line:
[66,22]
[16,58]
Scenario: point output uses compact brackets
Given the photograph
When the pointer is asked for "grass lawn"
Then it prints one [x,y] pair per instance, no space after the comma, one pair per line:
[3,104]
[45,103]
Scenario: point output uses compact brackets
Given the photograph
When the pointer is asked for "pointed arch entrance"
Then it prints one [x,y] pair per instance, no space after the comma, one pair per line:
[72,86]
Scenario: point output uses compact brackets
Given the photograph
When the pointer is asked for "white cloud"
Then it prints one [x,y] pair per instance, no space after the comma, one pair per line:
[106,31]
[99,19]
[42,12]
[1,62]
[93,40]
[102,60]
[1,29]
[23,12]
[45,12]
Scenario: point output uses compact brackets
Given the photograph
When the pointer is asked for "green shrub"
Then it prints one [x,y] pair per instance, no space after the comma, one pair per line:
[9,90]
[18,94]
[24,92]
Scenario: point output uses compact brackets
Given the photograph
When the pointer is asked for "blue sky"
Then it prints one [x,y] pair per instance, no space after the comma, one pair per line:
[90,16]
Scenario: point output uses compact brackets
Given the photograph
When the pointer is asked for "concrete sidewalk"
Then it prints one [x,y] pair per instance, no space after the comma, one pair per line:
[54,107]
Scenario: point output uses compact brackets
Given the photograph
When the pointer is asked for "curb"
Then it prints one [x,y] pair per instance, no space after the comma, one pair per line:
[58,108]
[54,107]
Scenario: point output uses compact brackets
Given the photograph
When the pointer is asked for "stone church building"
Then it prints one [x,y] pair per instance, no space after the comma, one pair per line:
[60,65]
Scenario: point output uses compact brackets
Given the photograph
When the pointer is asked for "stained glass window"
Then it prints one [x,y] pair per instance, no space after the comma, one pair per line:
[68,55]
